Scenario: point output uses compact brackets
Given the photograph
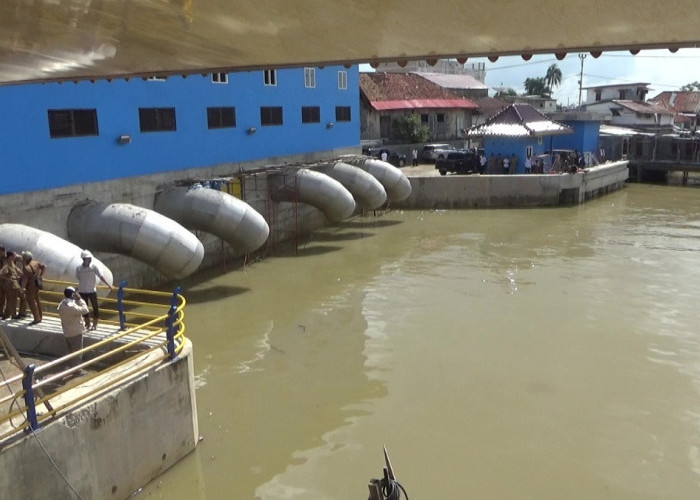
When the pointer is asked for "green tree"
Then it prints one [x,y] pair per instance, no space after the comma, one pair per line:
[408,128]
[505,92]
[535,86]
[692,87]
[552,78]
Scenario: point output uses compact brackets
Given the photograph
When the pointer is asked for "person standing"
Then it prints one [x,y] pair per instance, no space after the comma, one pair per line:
[513,164]
[414,155]
[506,165]
[10,277]
[87,274]
[32,275]
[528,165]
[71,310]
[384,155]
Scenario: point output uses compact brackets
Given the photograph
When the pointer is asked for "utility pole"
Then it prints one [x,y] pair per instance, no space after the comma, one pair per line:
[580,80]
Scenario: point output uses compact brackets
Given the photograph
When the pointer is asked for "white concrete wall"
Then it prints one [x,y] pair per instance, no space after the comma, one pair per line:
[114,444]
[500,191]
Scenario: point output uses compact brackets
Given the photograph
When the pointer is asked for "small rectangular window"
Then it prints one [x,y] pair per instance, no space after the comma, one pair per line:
[157,119]
[343,80]
[221,117]
[72,122]
[310,114]
[342,113]
[271,115]
[270,77]
[310,77]
[424,119]
[440,117]
[219,77]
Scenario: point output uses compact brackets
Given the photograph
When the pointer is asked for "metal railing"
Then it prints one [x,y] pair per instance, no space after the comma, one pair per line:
[154,332]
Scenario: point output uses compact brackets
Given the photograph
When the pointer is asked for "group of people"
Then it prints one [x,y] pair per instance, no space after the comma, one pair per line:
[21,278]
[499,164]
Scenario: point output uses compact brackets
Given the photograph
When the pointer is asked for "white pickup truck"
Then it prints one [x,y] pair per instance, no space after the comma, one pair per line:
[433,152]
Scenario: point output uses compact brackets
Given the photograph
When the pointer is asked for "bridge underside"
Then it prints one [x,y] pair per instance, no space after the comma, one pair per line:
[85,39]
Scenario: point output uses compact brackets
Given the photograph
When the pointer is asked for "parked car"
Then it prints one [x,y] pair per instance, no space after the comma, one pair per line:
[459,162]
[432,152]
[396,159]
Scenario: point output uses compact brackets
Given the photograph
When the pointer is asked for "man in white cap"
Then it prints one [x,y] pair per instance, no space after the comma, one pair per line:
[87,274]
[71,310]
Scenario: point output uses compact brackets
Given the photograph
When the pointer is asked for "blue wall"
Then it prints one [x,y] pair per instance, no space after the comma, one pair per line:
[507,146]
[584,138]
[26,147]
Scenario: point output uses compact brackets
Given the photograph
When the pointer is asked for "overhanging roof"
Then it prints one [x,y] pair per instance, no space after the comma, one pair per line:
[50,39]
[423,104]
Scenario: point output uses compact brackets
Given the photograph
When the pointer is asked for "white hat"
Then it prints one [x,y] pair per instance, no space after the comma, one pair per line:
[85,254]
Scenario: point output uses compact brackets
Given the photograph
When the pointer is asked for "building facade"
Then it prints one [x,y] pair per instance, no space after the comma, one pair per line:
[77,133]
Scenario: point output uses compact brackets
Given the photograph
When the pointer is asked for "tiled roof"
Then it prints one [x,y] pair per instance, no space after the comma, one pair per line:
[453,81]
[519,120]
[643,107]
[679,101]
[408,91]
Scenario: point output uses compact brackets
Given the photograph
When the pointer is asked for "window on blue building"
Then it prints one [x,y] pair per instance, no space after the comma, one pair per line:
[221,117]
[342,113]
[270,77]
[310,77]
[271,115]
[343,80]
[157,119]
[72,122]
[310,114]
[219,77]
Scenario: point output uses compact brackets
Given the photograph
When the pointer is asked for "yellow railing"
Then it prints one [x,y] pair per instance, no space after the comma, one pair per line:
[154,333]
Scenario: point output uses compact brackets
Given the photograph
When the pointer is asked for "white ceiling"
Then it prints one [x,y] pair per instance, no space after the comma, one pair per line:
[79,39]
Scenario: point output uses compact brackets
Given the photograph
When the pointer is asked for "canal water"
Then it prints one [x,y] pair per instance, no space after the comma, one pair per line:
[531,354]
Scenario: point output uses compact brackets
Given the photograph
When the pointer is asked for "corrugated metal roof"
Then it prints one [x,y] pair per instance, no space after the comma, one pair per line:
[423,104]
[519,120]
[679,101]
[643,107]
[455,81]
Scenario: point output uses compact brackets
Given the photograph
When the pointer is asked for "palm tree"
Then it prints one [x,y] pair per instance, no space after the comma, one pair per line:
[553,77]
[535,86]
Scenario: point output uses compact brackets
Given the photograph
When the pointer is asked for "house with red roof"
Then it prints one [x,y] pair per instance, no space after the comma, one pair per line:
[685,105]
[387,97]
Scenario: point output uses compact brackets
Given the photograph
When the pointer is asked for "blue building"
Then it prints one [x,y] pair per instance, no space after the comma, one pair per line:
[61,134]
[518,131]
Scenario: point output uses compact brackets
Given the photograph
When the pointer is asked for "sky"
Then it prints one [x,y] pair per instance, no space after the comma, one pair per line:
[661,69]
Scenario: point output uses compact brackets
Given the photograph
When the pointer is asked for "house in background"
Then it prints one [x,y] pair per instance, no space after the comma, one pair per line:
[685,105]
[540,103]
[385,98]
[620,91]
[625,105]
[519,130]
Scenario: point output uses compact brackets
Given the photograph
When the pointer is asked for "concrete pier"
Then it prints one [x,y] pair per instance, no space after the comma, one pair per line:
[431,190]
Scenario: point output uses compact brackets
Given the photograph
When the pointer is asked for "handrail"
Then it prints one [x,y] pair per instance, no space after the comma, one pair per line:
[156,332]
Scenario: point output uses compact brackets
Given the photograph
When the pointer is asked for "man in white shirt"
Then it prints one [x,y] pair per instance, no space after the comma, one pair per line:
[71,310]
[87,274]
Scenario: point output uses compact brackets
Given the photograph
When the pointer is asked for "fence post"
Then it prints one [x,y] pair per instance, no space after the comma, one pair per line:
[120,306]
[28,386]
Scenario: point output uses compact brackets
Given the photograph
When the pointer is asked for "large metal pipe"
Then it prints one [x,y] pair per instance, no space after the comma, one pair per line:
[316,189]
[396,184]
[364,187]
[215,212]
[136,232]
[60,256]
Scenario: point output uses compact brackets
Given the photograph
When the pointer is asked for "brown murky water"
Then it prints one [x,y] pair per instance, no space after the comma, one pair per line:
[533,354]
